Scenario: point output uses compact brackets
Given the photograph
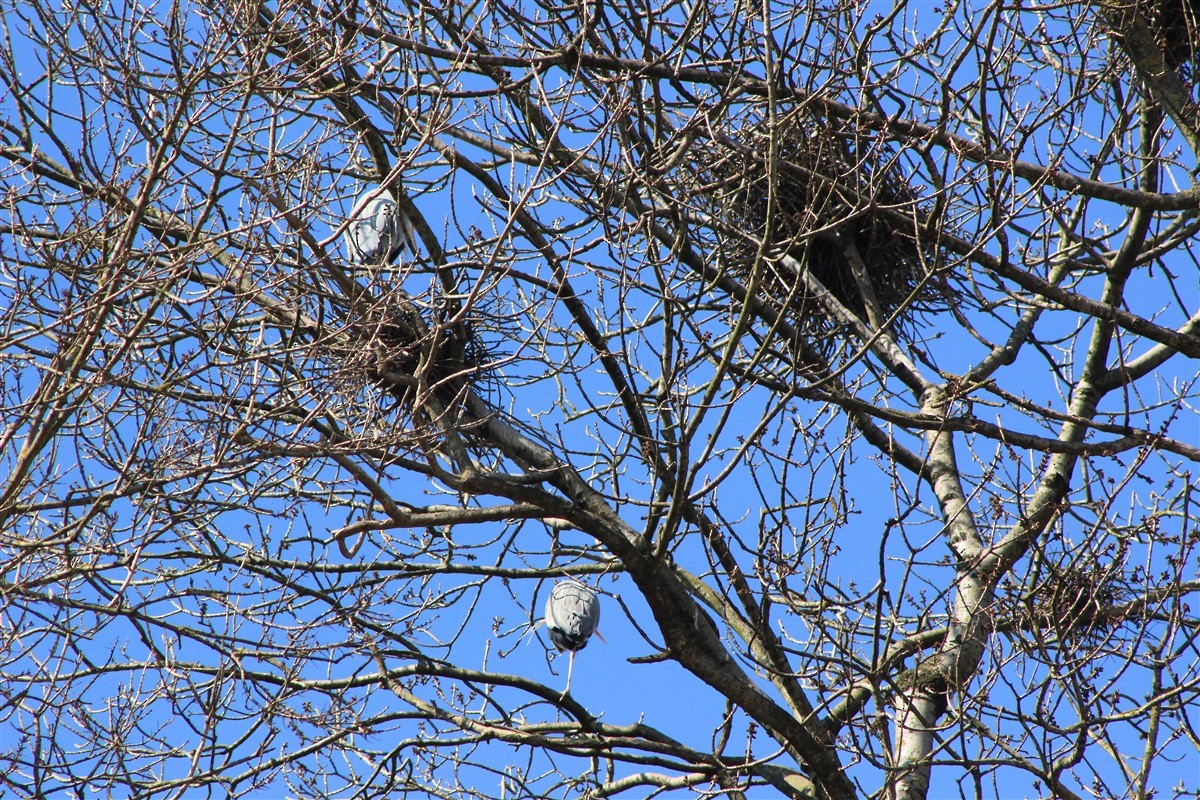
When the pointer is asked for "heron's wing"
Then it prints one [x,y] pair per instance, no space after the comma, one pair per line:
[350,240]
[408,232]
[371,242]
[592,608]
[384,220]
[573,609]
[359,244]
[552,610]
[378,230]
[401,234]
[368,240]
[369,230]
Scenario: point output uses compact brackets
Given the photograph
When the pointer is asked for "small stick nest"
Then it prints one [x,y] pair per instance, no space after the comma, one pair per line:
[1072,603]
[840,210]
[413,362]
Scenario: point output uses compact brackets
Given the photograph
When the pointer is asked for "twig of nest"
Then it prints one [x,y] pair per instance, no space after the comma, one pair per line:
[838,208]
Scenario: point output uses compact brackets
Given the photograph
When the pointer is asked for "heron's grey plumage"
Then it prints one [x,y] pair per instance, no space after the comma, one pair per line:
[378,230]
[572,615]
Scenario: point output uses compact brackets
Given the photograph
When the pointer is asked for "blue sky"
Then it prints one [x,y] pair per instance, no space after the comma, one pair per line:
[245,552]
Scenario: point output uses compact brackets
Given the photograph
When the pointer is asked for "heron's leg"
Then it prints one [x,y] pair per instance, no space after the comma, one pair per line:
[570,669]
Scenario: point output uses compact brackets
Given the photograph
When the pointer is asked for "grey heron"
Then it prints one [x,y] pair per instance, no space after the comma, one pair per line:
[572,614]
[378,230]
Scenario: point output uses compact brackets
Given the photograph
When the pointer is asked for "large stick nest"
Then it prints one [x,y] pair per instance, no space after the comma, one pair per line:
[1176,27]
[426,367]
[838,206]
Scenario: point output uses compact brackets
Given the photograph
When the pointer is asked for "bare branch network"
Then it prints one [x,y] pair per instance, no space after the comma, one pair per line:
[843,353]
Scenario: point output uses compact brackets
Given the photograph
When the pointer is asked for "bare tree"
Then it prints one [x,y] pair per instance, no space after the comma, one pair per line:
[850,355]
